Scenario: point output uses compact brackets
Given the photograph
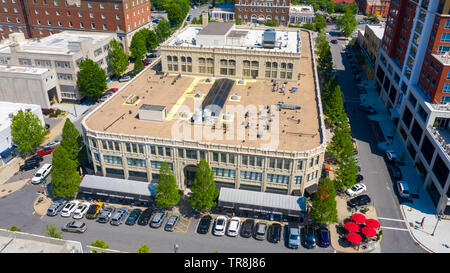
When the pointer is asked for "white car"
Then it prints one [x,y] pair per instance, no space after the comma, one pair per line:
[40,175]
[403,188]
[52,144]
[391,155]
[356,189]
[233,226]
[81,210]
[69,208]
[219,228]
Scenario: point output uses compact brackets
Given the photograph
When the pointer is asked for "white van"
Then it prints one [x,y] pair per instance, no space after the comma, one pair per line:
[41,174]
[403,188]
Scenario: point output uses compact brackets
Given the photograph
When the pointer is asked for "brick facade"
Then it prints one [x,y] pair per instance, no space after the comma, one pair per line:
[262,11]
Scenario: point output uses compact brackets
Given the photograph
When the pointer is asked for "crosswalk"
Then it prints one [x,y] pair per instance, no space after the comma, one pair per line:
[385,221]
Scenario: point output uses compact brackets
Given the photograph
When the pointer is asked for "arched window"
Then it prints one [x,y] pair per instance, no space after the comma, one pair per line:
[231,63]
[201,60]
[175,58]
[275,65]
[283,65]
[183,59]
[290,65]
[255,64]
[189,59]
[169,58]
[268,64]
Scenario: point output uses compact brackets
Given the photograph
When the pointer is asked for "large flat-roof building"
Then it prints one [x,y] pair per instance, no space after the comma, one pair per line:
[257,134]
[60,54]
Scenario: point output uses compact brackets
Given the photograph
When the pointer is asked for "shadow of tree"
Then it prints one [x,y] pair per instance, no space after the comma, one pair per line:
[184,207]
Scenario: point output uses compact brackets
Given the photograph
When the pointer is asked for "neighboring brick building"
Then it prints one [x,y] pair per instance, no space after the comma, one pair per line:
[413,79]
[252,11]
[40,18]
[375,7]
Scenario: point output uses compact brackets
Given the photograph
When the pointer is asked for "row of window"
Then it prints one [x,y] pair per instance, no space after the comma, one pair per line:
[89,4]
[263,3]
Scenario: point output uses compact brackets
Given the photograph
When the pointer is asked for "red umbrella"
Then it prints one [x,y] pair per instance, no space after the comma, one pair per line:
[369,232]
[354,238]
[372,223]
[351,226]
[358,218]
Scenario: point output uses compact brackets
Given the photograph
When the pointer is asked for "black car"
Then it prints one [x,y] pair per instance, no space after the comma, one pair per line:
[324,237]
[205,223]
[133,217]
[395,171]
[358,201]
[37,158]
[274,233]
[367,108]
[29,165]
[309,237]
[247,228]
[359,178]
[145,217]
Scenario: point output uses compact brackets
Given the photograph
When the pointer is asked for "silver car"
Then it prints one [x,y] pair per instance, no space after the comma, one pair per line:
[75,226]
[158,218]
[172,222]
[260,230]
[56,207]
[120,215]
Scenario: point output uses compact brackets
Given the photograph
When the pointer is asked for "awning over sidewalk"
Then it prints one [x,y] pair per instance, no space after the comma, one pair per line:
[118,188]
[262,201]
[312,189]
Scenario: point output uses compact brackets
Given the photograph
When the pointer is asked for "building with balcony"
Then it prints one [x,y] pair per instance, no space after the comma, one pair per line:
[223,12]
[413,79]
[60,54]
[257,133]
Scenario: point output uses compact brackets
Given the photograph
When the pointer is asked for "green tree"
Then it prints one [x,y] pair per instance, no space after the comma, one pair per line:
[27,131]
[272,23]
[174,13]
[14,228]
[138,46]
[65,178]
[100,244]
[324,206]
[71,140]
[51,231]
[347,22]
[204,190]
[346,173]
[138,67]
[309,26]
[334,106]
[117,58]
[320,23]
[91,79]
[153,40]
[330,6]
[163,30]
[238,20]
[167,193]
[143,249]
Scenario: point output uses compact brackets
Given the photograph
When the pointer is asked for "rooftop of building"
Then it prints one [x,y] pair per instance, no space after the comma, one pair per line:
[290,130]
[23,70]
[58,43]
[377,29]
[301,9]
[249,38]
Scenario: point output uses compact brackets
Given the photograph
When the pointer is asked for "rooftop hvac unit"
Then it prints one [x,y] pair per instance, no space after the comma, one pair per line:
[269,38]
[152,112]
[132,99]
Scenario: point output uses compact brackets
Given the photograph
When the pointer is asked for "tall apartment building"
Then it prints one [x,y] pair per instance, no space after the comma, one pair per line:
[374,7]
[413,79]
[262,11]
[41,18]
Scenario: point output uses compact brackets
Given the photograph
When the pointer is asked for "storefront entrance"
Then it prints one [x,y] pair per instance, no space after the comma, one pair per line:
[189,175]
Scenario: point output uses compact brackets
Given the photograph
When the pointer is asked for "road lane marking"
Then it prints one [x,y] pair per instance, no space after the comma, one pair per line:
[391,219]
[402,229]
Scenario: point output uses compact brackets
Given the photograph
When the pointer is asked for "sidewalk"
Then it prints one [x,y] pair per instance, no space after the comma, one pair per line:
[422,206]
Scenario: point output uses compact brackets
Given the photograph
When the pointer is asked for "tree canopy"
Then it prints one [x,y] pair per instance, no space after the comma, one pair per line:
[138,46]
[71,140]
[347,22]
[65,178]
[163,30]
[324,206]
[91,79]
[167,193]
[204,190]
[117,58]
[27,131]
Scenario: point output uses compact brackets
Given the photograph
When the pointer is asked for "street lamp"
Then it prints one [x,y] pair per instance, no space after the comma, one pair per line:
[437,222]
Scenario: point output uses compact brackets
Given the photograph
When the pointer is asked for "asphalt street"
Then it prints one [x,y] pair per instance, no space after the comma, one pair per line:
[396,238]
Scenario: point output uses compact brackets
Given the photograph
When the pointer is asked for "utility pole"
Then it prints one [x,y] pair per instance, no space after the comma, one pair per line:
[437,222]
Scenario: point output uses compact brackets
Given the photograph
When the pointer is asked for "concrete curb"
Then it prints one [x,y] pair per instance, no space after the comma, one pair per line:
[402,207]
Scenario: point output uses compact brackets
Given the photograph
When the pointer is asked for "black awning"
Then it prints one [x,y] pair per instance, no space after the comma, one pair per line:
[312,189]
[296,193]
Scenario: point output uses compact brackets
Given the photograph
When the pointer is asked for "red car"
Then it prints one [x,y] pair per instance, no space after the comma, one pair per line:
[46,151]
[334,41]
[112,90]
[146,62]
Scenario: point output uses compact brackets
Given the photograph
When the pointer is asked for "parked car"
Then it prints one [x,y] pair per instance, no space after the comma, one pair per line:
[204,224]
[105,96]
[356,189]
[41,174]
[52,144]
[233,226]
[391,155]
[133,217]
[81,210]
[403,189]
[119,216]
[219,226]
[124,78]
[309,239]
[151,55]
[46,151]
[293,236]
[359,178]
[324,237]
[112,90]
[189,18]
[146,62]
[334,41]
[260,231]
[395,171]
[144,219]
[56,207]
[274,233]
[94,210]
[158,219]
[172,222]
[29,165]
[105,215]
[367,108]
[38,158]
[247,228]
[69,208]
[359,201]
[75,226]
